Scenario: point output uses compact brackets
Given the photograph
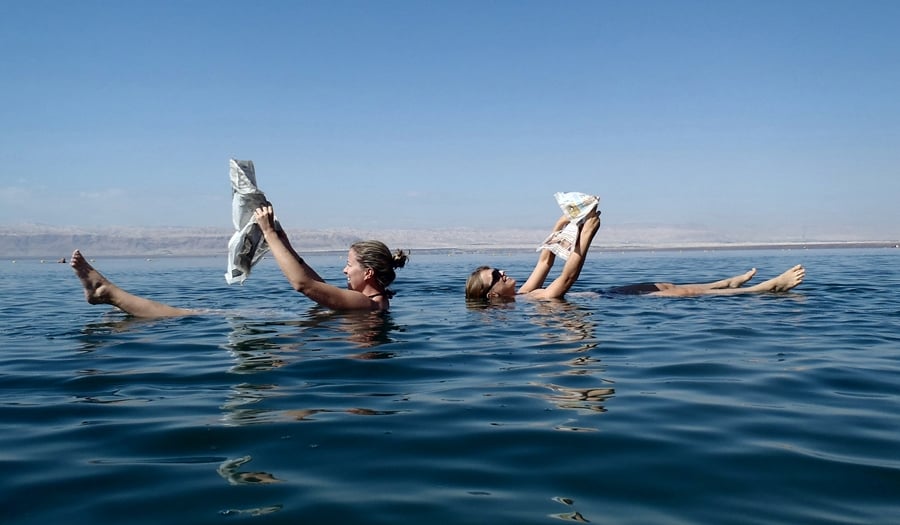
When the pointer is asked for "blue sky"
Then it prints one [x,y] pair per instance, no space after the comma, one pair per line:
[757,116]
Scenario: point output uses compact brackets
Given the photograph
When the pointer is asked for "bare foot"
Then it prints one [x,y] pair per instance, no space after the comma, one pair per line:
[100,290]
[738,280]
[96,287]
[786,281]
[732,282]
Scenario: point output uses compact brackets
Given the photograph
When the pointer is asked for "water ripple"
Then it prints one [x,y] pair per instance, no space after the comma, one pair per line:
[757,409]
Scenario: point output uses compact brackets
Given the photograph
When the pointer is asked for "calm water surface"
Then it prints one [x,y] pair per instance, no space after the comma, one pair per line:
[755,409]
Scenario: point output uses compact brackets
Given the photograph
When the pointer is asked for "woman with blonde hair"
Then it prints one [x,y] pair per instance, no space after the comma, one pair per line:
[488,283]
[370,270]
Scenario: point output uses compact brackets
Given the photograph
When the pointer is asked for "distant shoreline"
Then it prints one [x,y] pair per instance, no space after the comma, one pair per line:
[500,250]
[698,247]
[762,246]
[56,242]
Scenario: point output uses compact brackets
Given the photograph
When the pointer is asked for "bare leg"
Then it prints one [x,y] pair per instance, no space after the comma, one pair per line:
[100,290]
[732,282]
[784,282]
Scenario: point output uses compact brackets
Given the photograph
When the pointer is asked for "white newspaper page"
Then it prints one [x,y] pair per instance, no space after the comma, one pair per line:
[247,246]
[576,206]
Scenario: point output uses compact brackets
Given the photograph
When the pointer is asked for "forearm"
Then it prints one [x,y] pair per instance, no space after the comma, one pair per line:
[544,263]
[539,273]
[587,233]
[287,243]
[574,264]
[299,274]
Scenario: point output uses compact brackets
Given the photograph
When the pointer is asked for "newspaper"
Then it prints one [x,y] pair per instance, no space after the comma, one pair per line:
[576,206]
[247,246]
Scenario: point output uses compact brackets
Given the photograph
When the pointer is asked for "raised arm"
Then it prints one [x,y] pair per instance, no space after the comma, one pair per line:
[575,262]
[544,263]
[300,275]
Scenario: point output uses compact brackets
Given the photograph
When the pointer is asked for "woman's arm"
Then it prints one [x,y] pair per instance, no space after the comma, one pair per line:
[544,263]
[575,262]
[300,275]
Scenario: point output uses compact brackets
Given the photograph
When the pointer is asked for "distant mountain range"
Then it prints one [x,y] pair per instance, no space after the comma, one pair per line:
[56,242]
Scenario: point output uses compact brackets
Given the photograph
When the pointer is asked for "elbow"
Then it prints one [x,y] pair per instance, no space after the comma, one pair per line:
[298,285]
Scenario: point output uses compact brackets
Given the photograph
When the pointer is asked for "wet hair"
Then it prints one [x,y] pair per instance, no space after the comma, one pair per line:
[475,287]
[377,256]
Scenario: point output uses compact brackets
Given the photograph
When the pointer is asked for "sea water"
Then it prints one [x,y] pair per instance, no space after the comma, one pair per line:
[773,408]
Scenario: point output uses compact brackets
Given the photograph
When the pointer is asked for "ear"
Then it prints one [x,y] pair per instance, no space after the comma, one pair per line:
[369,273]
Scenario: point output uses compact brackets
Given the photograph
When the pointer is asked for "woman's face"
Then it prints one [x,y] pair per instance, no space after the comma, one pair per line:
[496,282]
[355,272]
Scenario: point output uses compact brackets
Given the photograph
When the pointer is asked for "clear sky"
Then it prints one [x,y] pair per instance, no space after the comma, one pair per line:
[768,116]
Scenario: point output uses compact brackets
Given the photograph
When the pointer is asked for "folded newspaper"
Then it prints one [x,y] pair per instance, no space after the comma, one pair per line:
[247,246]
[576,206]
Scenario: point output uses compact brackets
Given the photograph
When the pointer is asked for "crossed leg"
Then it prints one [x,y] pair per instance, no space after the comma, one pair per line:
[100,290]
[788,280]
[732,282]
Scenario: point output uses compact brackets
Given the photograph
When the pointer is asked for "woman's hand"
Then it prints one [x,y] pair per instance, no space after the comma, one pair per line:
[593,216]
[265,217]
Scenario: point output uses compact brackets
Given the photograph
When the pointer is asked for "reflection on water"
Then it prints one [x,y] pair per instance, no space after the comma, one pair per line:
[592,399]
[364,329]
[262,346]
[572,515]
[242,397]
[448,413]
[259,511]
[118,322]
[563,337]
[306,414]
[94,334]
[566,322]
[229,470]
[567,328]
[256,511]
[236,411]
[582,364]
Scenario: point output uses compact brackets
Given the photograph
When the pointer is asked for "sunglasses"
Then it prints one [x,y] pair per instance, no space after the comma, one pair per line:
[496,275]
